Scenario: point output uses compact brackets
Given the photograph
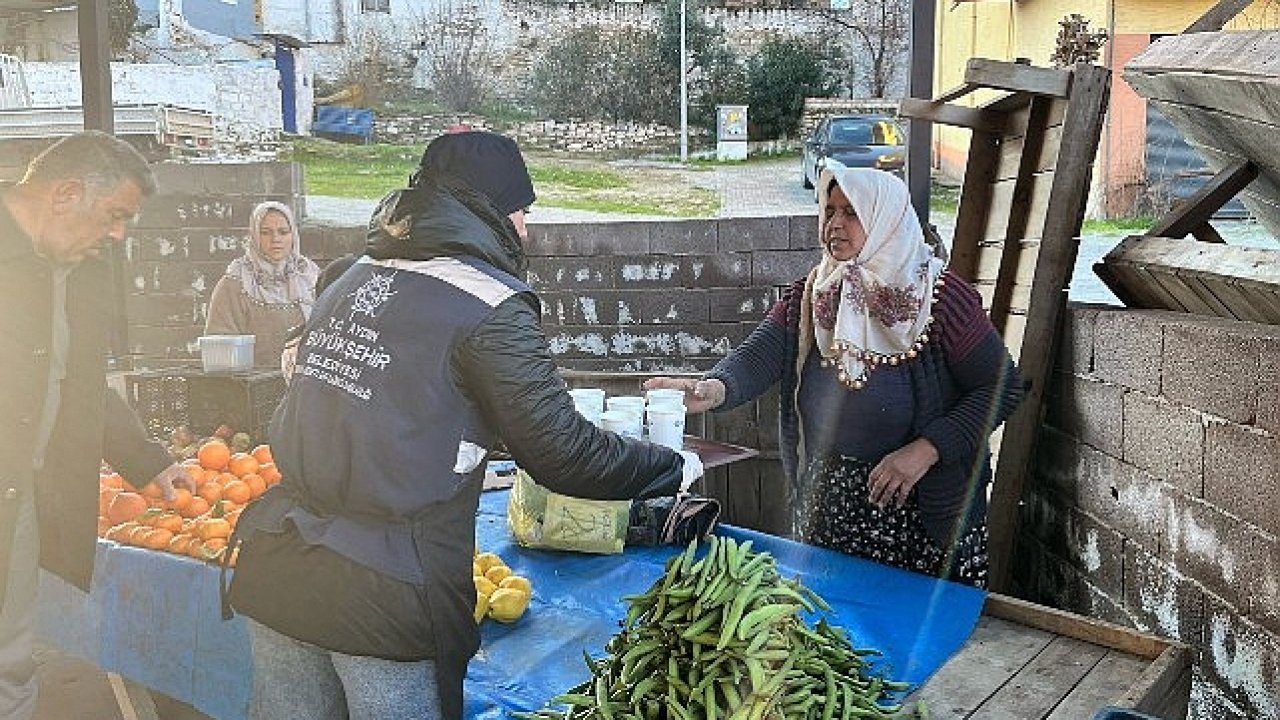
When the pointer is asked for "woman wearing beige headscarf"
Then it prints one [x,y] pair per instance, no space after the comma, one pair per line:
[892,378]
[269,289]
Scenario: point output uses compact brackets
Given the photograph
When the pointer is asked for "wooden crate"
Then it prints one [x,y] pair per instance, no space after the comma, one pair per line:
[1029,661]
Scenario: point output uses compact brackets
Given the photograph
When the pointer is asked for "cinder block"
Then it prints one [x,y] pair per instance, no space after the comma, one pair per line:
[1106,607]
[214,212]
[1162,600]
[739,304]
[164,309]
[803,230]
[1057,462]
[770,267]
[724,270]
[1209,700]
[1133,503]
[1096,551]
[164,342]
[655,307]
[753,233]
[684,237]
[1243,658]
[738,426]
[1242,465]
[1090,411]
[1126,349]
[1166,440]
[1207,545]
[570,273]
[1268,411]
[183,245]
[1075,346]
[1211,366]
[653,271]
[1260,573]
[193,279]
[564,239]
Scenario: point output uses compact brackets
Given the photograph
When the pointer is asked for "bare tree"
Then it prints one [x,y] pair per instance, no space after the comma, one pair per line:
[880,31]
[454,42]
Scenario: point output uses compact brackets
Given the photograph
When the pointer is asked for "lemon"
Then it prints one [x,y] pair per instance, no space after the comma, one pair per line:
[517,582]
[507,604]
[497,573]
[484,585]
[487,560]
[482,607]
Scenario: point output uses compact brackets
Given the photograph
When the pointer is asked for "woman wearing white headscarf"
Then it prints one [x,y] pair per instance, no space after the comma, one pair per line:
[269,289]
[892,379]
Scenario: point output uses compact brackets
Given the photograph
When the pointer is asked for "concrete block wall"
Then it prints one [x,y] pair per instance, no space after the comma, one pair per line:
[1156,500]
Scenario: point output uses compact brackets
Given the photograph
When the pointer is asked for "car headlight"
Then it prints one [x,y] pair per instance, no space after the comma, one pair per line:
[889,162]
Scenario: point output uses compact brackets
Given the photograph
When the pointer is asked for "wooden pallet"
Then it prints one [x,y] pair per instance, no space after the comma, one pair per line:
[1028,661]
[1017,230]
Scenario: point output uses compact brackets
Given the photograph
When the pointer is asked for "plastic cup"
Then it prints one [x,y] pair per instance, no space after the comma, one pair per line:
[629,403]
[589,402]
[666,427]
[664,397]
[624,422]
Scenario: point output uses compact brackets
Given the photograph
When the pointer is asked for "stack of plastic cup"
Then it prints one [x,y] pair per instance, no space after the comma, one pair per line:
[589,402]
[664,413]
[633,404]
[624,422]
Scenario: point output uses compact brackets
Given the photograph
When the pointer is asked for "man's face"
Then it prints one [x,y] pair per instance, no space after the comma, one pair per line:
[84,218]
[518,219]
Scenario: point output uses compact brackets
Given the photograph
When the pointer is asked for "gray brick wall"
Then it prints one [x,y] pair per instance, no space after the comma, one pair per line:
[1156,494]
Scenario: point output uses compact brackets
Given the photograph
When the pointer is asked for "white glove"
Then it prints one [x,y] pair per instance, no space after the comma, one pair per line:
[692,469]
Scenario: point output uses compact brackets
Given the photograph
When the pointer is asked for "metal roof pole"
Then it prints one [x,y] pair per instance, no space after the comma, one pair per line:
[920,85]
[95,65]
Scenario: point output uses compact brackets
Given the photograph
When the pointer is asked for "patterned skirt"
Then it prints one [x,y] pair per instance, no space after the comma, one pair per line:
[833,511]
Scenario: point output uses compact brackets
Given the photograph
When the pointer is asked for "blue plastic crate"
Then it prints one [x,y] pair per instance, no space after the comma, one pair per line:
[1114,713]
[343,122]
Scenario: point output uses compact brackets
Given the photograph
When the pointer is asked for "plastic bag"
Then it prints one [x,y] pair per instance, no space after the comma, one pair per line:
[540,518]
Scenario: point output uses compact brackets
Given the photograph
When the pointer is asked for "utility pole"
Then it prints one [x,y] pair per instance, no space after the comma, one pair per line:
[684,88]
[920,132]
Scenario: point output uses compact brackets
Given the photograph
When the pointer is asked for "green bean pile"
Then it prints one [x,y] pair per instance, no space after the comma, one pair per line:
[722,637]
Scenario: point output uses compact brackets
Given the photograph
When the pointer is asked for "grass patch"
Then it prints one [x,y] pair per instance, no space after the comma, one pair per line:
[1119,224]
[369,171]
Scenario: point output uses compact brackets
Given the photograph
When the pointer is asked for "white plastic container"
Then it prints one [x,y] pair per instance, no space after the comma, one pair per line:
[222,353]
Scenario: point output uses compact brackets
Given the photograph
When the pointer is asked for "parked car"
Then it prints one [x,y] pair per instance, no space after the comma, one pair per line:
[871,141]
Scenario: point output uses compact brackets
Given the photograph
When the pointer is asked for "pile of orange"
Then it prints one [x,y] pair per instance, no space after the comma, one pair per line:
[195,524]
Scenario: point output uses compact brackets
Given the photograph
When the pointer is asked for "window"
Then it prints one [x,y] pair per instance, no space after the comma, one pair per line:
[383,6]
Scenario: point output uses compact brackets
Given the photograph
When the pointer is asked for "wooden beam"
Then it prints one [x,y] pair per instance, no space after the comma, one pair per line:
[1164,688]
[956,92]
[975,203]
[1081,133]
[955,115]
[1217,16]
[1015,228]
[1061,622]
[1017,77]
[95,65]
[920,85]
[1196,210]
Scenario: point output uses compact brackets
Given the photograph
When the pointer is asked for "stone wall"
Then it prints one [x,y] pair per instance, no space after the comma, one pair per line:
[1156,501]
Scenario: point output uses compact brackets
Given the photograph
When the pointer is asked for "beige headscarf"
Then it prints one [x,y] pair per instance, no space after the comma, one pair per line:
[877,307]
[291,280]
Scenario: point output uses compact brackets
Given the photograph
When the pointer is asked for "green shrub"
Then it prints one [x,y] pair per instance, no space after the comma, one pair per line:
[779,78]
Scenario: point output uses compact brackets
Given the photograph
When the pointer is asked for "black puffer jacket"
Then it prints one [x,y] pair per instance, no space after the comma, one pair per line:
[506,367]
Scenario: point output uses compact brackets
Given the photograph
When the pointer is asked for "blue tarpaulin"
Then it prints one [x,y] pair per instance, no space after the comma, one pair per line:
[154,618]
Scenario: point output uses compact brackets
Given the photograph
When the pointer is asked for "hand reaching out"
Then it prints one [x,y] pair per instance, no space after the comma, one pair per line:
[699,395]
[892,479]
[172,477]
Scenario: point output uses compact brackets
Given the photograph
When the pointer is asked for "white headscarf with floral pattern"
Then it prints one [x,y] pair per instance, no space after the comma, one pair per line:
[877,307]
[292,280]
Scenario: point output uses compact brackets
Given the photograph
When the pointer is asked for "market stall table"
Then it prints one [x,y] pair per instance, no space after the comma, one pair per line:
[154,618]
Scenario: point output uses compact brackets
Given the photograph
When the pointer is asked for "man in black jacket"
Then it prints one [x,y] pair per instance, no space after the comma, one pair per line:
[60,419]
[415,363]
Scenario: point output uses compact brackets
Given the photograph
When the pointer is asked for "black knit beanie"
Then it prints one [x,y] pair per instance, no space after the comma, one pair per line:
[488,162]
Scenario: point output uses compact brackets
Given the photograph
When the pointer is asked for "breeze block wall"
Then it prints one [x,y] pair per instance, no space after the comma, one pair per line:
[1156,497]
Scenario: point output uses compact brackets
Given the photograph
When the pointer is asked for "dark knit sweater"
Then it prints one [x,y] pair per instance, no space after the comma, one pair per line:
[964,385]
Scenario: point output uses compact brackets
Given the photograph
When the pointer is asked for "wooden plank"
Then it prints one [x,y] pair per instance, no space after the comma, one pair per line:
[1031,198]
[1024,212]
[1197,285]
[1248,53]
[1257,264]
[1122,283]
[1020,298]
[1187,299]
[1231,295]
[1253,99]
[1098,632]
[1017,77]
[990,253]
[955,115]
[1164,688]
[1038,687]
[1011,154]
[1200,206]
[975,203]
[1218,15]
[1098,688]
[995,652]
[1082,128]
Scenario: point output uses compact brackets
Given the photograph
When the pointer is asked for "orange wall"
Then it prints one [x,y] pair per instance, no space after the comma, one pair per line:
[1126,136]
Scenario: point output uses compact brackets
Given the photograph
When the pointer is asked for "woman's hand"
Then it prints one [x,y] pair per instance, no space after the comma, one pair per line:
[893,478]
[699,395]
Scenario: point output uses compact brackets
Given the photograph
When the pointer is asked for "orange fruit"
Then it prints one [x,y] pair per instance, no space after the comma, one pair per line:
[170,521]
[195,548]
[152,490]
[211,475]
[257,485]
[214,455]
[138,535]
[105,496]
[181,498]
[180,543]
[104,526]
[270,473]
[262,454]
[237,491]
[158,539]
[211,492]
[125,506]
[242,464]
[198,507]
[119,532]
[111,480]
[213,528]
